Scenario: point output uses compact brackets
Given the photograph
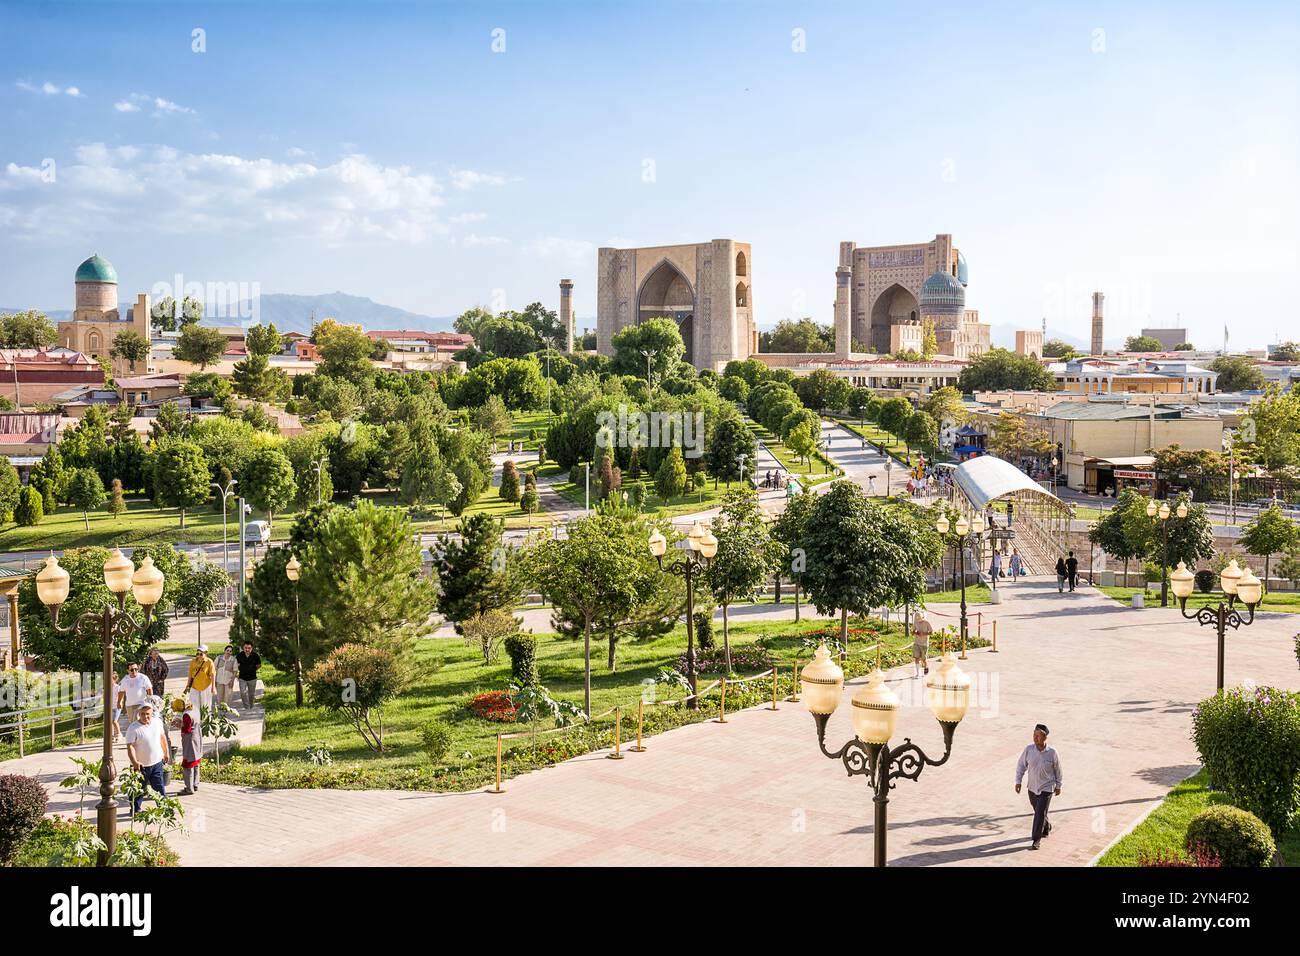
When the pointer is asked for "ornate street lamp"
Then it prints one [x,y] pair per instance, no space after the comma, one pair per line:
[1162,513]
[700,548]
[52,586]
[1236,584]
[960,529]
[875,715]
[291,571]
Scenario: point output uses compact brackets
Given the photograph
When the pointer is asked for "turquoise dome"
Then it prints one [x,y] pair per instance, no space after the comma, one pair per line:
[942,294]
[963,274]
[96,269]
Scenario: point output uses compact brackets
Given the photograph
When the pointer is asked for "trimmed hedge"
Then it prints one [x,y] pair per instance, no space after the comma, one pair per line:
[1237,837]
[522,649]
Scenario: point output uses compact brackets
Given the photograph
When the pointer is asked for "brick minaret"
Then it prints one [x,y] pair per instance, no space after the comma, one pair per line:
[1097,299]
[566,312]
[843,332]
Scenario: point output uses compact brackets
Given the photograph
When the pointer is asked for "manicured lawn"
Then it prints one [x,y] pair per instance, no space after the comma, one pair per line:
[142,523]
[819,469]
[1287,602]
[525,422]
[451,673]
[702,500]
[1166,827]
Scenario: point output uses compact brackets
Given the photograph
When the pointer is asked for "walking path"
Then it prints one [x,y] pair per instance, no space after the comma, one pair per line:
[1115,685]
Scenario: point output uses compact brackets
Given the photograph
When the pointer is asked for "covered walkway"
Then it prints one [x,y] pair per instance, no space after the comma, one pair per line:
[1037,522]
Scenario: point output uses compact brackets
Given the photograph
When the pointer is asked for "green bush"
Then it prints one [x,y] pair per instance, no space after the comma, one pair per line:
[435,737]
[1205,581]
[522,649]
[22,807]
[31,507]
[1249,741]
[704,630]
[1237,837]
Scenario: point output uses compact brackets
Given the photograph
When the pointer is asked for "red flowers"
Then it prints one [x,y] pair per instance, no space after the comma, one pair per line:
[495,705]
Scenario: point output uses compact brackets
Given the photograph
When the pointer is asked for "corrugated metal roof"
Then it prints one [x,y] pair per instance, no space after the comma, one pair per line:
[1107,411]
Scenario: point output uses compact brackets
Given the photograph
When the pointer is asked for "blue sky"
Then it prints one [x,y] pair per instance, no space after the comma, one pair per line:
[387,150]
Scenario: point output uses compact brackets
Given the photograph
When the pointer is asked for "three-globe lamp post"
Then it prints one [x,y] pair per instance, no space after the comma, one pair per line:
[875,715]
[700,547]
[961,528]
[1238,585]
[121,577]
[1162,514]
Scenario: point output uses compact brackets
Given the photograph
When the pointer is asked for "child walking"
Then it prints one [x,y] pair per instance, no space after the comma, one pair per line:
[187,722]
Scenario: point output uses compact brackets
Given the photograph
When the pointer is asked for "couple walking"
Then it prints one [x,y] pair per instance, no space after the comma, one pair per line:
[1067,572]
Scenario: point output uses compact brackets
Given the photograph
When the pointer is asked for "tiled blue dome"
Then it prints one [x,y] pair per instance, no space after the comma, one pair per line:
[96,269]
[942,294]
[963,274]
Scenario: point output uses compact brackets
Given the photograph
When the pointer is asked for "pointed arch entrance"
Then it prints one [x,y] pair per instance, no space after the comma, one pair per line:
[667,292]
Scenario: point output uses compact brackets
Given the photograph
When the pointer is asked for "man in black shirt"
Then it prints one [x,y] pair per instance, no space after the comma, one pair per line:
[1072,569]
[248,662]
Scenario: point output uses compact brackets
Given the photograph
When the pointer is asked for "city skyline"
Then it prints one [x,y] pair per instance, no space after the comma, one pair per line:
[1150,156]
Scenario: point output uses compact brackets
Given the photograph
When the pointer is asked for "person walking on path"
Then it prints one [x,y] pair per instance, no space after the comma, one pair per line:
[1044,768]
[227,669]
[132,690]
[1062,572]
[995,566]
[187,722]
[921,631]
[155,668]
[247,663]
[1072,570]
[148,751]
[1017,566]
[202,674]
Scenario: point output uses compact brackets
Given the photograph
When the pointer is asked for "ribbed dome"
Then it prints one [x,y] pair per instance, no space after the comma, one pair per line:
[96,269]
[942,294]
[963,274]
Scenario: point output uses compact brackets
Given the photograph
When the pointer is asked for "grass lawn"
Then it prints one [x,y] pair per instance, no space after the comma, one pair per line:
[689,503]
[818,470]
[524,422]
[1287,602]
[142,523]
[1166,827]
[878,436]
[451,673]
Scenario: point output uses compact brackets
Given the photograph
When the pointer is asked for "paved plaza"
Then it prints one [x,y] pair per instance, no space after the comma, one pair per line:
[1116,686]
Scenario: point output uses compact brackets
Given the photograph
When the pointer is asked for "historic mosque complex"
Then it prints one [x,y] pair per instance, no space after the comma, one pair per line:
[888,299]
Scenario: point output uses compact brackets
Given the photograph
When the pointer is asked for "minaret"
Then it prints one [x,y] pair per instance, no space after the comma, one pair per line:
[566,312]
[1097,299]
[843,332]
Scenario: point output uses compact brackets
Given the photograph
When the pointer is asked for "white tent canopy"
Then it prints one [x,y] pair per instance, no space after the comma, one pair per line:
[985,478]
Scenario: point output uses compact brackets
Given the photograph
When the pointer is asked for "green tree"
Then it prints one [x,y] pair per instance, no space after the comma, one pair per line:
[27,330]
[163,314]
[1237,374]
[509,482]
[1269,533]
[893,416]
[999,369]
[85,491]
[1288,351]
[1057,349]
[730,443]
[263,340]
[922,432]
[357,681]
[1275,421]
[48,477]
[130,346]
[862,555]
[475,571]
[1143,343]
[802,442]
[267,481]
[798,335]
[661,338]
[1124,532]
[788,530]
[528,502]
[201,582]
[670,479]
[30,508]
[746,555]
[492,418]
[253,377]
[345,352]
[200,345]
[116,500]
[945,405]
[11,489]
[180,476]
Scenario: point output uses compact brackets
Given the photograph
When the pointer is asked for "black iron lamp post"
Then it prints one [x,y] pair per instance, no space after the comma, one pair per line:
[701,546]
[875,714]
[1237,585]
[960,529]
[120,577]
[291,571]
[1162,514]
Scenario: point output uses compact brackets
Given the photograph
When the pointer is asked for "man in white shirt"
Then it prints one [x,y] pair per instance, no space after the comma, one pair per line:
[1044,780]
[132,690]
[147,749]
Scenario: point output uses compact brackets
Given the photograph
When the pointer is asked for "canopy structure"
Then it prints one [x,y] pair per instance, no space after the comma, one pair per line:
[1040,520]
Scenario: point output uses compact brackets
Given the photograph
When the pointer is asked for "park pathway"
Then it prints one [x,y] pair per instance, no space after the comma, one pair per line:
[1115,685]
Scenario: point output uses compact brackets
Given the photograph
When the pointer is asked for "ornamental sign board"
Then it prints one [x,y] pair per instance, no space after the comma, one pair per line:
[1134,474]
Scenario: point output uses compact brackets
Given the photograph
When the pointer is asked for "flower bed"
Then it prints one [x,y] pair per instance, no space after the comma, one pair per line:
[494,705]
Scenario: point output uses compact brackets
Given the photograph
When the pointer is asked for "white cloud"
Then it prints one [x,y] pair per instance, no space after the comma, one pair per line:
[555,247]
[469,179]
[161,107]
[463,218]
[474,239]
[126,107]
[174,192]
[167,106]
[48,88]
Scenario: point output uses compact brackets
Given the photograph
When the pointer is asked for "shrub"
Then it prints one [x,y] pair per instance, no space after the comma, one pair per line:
[714,661]
[1249,741]
[357,680]
[522,649]
[1237,837]
[704,630]
[435,737]
[1197,857]
[486,631]
[1205,581]
[30,508]
[509,489]
[22,807]
[495,705]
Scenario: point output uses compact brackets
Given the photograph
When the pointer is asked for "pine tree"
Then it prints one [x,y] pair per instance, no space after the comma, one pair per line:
[474,572]
[30,508]
[509,482]
[670,479]
[116,501]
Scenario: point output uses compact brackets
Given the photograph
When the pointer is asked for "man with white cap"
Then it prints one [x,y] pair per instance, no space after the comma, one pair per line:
[1044,780]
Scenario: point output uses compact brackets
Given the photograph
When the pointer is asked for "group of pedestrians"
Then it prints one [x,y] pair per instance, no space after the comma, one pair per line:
[138,694]
[1067,572]
[772,480]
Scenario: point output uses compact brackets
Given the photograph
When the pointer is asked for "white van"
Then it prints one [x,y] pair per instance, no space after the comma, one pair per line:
[256,532]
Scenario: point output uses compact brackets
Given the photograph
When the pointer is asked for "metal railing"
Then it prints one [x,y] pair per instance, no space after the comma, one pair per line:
[28,722]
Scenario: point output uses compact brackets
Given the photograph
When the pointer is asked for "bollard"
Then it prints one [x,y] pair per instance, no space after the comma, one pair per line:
[618,726]
[963,646]
[498,786]
[995,637]
[794,678]
[640,720]
[774,707]
[722,705]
